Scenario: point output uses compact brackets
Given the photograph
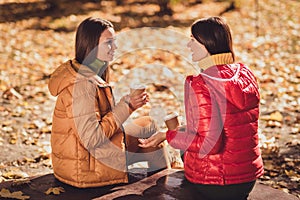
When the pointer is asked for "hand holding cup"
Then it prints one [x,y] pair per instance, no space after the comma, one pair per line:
[171,121]
[138,96]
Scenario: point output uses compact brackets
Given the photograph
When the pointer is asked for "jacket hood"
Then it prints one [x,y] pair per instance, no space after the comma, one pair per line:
[62,77]
[236,82]
[68,74]
[243,89]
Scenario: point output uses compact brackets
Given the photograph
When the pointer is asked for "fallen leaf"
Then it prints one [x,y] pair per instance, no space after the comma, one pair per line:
[273,124]
[11,93]
[177,165]
[15,175]
[276,116]
[14,195]
[55,190]
[46,129]
[290,173]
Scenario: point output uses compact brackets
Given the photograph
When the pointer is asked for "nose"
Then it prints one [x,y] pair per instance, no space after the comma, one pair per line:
[189,44]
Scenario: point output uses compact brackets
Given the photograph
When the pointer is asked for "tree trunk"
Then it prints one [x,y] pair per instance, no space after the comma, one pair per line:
[119,2]
[165,8]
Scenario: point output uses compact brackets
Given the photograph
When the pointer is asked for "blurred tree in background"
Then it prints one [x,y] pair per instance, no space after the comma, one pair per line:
[164,5]
[15,10]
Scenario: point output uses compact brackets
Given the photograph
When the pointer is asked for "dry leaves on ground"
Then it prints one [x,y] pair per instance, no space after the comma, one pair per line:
[14,195]
[55,190]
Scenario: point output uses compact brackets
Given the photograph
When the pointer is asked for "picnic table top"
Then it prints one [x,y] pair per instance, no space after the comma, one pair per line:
[166,184]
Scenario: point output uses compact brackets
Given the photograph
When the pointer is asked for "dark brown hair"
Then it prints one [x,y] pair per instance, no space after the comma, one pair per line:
[214,34]
[87,40]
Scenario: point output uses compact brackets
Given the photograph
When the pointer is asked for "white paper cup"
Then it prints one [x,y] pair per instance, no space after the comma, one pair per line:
[137,89]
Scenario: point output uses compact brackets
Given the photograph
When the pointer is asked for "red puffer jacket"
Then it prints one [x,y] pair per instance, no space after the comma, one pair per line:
[221,139]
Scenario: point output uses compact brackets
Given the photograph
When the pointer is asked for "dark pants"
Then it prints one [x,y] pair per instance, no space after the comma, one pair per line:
[223,192]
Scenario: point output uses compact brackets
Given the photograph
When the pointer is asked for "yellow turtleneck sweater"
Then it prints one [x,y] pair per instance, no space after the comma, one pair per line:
[98,66]
[217,59]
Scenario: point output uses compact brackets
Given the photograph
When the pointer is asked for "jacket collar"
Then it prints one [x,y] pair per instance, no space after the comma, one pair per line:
[89,73]
[217,59]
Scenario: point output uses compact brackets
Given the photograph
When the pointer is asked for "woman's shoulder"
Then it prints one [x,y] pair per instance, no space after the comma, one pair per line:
[194,78]
[229,70]
[67,77]
[196,82]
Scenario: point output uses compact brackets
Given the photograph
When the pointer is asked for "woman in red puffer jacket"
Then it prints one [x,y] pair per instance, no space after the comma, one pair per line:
[222,158]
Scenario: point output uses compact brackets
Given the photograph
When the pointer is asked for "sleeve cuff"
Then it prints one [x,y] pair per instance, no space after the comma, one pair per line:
[170,134]
[121,112]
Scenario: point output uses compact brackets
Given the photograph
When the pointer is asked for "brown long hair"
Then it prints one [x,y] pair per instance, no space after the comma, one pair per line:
[87,40]
[214,34]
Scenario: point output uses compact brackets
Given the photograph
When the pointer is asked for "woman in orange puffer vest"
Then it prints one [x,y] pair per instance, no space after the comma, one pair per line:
[222,158]
[89,144]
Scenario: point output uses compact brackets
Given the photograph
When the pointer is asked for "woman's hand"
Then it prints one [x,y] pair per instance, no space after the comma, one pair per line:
[153,141]
[137,101]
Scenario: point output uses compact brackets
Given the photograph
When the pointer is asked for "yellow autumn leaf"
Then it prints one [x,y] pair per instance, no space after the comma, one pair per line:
[291,173]
[55,190]
[276,116]
[14,195]
[15,174]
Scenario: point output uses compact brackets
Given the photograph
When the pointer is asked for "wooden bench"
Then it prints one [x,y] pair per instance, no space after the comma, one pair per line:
[166,184]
